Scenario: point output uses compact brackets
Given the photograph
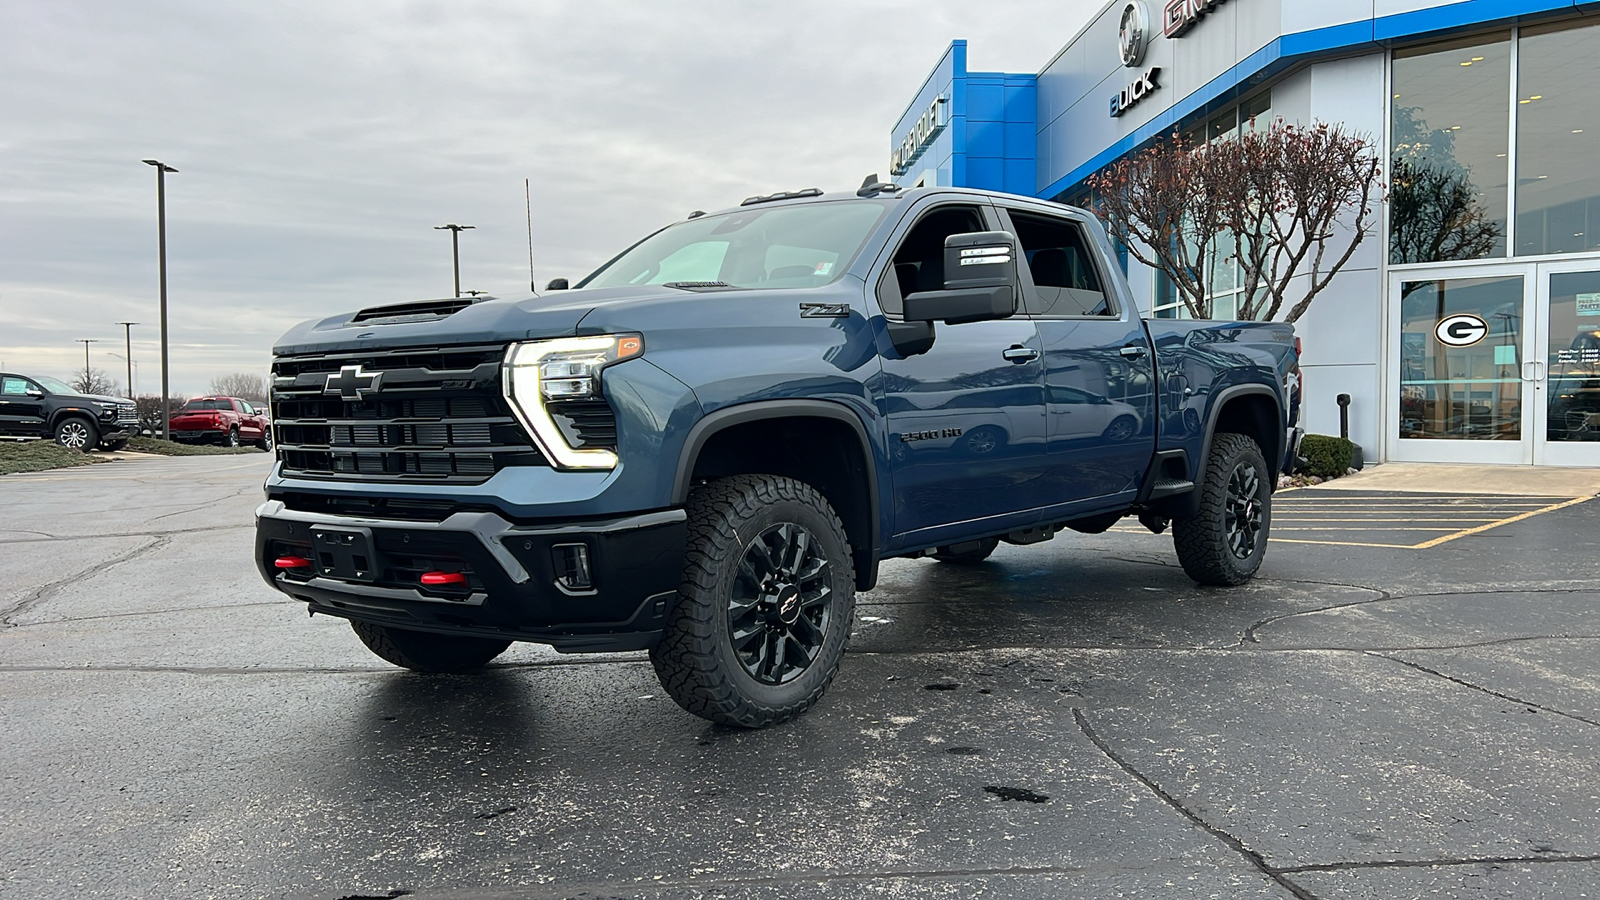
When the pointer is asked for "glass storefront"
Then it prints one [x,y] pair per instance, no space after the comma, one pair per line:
[1558,132]
[1450,127]
[1460,359]
[1573,336]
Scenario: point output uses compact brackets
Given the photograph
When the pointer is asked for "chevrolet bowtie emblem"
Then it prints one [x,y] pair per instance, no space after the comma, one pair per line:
[352,384]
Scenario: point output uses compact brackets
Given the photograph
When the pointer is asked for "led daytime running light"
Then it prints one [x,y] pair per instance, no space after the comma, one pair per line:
[526,388]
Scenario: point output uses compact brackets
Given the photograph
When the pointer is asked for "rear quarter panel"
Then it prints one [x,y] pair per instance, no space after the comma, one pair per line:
[1198,362]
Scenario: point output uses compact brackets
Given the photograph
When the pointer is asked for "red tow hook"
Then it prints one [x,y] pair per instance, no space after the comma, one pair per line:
[437,579]
[292,562]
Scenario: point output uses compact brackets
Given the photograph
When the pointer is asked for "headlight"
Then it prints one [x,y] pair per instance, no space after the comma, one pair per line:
[541,372]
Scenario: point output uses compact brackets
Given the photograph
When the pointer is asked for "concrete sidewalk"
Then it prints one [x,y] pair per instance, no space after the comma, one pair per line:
[1433,478]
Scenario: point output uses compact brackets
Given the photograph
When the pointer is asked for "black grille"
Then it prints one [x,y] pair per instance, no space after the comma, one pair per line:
[431,415]
[586,424]
[376,507]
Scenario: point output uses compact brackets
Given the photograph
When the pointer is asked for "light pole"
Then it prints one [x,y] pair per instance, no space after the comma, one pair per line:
[455,248]
[127,337]
[161,226]
[88,379]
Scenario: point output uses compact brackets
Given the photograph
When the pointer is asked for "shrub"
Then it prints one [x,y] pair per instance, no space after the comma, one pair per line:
[1326,456]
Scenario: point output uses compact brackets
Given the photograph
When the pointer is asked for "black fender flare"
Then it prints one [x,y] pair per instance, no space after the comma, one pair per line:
[72,411]
[742,413]
[1190,502]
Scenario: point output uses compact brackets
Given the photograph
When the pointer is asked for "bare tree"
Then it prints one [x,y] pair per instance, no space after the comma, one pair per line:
[244,385]
[1278,203]
[96,381]
[149,406]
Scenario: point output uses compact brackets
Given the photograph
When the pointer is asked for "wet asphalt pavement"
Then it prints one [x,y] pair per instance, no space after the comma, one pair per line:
[1069,719]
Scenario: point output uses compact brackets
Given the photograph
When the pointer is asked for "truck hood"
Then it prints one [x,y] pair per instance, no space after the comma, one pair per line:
[555,314]
[95,398]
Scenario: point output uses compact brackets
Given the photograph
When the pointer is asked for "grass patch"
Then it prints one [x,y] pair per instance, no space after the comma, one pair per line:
[37,456]
[170,448]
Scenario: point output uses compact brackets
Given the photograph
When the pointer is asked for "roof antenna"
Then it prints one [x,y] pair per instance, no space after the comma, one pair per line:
[527,199]
[872,187]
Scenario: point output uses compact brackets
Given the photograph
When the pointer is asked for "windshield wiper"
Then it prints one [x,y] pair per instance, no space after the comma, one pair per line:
[695,285]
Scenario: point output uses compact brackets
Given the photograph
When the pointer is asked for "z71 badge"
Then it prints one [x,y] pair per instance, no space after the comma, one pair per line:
[824,310]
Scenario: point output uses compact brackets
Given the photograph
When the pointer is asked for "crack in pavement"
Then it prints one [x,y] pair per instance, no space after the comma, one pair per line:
[71,620]
[122,534]
[1386,596]
[46,591]
[1478,687]
[1431,863]
[1236,845]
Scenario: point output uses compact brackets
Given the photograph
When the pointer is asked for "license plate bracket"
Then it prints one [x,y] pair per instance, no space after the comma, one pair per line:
[345,552]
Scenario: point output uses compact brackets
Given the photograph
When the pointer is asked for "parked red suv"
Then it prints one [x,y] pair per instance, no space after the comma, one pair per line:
[228,421]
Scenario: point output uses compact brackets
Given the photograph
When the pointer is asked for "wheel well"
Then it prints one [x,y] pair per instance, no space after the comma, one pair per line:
[71,414]
[1255,416]
[825,453]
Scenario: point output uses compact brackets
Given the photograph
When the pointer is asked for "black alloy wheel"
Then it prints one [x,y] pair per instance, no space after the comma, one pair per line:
[1224,541]
[1245,515]
[765,606]
[778,613]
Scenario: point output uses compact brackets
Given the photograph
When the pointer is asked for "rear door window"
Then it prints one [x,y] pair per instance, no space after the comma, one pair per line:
[1066,280]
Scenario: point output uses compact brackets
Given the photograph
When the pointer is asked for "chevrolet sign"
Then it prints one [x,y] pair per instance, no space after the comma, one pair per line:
[922,133]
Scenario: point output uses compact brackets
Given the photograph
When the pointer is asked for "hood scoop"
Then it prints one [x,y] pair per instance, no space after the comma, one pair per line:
[417,311]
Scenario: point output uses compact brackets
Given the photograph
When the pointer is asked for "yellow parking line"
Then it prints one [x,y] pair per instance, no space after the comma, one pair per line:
[1278,540]
[1482,528]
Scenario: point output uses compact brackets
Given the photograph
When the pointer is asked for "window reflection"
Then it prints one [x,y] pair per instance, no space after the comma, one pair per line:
[1449,130]
[1558,134]
[1471,392]
[1574,357]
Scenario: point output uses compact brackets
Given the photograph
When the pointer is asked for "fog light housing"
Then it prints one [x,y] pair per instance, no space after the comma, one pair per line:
[573,572]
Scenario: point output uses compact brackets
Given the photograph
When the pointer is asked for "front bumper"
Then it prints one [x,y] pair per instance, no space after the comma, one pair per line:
[513,588]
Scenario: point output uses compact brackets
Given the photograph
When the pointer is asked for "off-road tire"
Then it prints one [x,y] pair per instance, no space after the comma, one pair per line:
[696,660]
[421,651]
[970,557]
[1205,541]
[77,433]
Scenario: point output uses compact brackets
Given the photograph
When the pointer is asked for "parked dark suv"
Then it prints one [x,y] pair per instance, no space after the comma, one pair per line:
[38,406]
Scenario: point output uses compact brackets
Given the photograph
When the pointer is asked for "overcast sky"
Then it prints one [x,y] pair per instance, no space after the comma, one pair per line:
[318,143]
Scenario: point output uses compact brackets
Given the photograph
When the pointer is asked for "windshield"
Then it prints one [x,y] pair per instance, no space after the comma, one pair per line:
[54,385]
[195,405]
[779,247]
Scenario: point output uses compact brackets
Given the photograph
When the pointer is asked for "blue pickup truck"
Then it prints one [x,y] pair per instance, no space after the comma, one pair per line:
[706,447]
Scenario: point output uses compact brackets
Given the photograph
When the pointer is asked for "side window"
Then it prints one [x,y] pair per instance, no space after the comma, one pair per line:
[918,263]
[246,408]
[1065,279]
[17,387]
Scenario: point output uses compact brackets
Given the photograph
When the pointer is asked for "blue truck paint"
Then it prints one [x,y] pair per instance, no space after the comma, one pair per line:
[1011,427]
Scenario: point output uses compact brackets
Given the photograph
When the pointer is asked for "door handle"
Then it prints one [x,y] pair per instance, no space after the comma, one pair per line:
[1019,354]
[1132,351]
[1533,370]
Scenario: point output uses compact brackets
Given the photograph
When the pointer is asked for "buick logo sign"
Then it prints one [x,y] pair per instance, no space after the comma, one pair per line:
[1134,34]
[1461,330]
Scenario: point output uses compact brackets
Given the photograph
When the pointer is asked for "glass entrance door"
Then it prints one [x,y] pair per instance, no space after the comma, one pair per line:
[1565,367]
[1460,394]
[1496,364]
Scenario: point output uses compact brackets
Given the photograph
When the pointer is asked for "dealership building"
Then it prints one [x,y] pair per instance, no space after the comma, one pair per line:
[1466,328]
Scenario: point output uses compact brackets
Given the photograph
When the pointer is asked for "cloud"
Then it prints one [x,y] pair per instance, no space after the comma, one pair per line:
[319,143]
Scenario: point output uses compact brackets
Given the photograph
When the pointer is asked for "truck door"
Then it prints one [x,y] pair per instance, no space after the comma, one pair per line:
[1099,374]
[966,419]
[21,406]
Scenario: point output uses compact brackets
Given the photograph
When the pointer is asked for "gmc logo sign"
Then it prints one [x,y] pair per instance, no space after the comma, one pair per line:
[1181,15]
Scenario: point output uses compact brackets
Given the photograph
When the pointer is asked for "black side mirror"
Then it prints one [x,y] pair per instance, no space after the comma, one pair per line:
[980,281]
[556,284]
